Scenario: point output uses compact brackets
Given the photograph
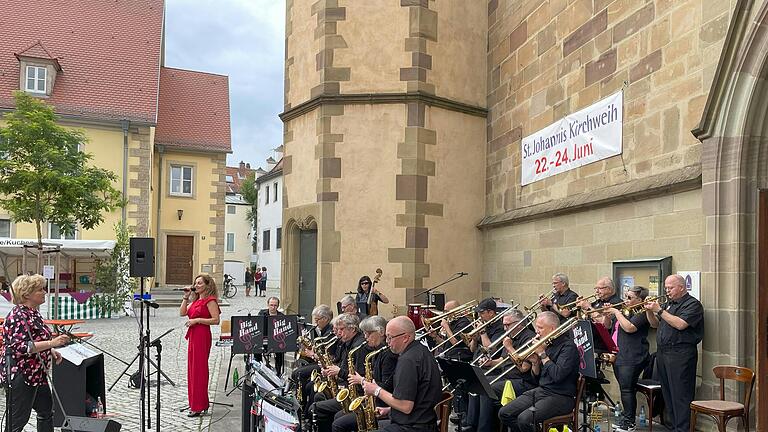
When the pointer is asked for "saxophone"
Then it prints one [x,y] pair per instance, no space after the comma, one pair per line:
[329,386]
[366,420]
[346,395]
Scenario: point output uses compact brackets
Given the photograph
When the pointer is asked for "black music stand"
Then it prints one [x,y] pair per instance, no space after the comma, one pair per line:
[603,343]
[465,379]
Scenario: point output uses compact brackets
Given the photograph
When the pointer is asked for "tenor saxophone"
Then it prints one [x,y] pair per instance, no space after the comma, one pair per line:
[347,395]
[366,418]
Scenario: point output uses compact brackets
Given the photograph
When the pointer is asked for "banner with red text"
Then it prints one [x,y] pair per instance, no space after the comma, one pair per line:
[589,135]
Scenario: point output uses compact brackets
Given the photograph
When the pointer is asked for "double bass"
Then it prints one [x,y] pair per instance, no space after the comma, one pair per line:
[373,307]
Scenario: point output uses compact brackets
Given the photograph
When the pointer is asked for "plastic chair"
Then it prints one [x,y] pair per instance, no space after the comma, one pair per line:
[571,419]
[443,411]
[722,410]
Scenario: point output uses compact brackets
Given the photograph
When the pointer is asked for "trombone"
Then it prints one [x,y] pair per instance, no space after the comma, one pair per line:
[574,303]
[453,314]
[467,337]
[486,350]
[455,335]
[537,303]
[528,349]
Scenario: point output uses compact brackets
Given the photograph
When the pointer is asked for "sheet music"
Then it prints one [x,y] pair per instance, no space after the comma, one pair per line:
[76,353]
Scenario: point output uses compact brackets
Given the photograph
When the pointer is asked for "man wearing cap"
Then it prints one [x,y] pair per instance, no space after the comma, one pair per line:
[681,328]
[561,295]
[476,418]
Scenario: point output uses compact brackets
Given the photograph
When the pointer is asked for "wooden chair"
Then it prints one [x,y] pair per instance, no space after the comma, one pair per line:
[650,387]
[443,411]
[571,419]
[722,410]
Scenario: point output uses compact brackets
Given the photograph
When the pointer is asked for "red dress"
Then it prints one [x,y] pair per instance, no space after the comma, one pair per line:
[198,351]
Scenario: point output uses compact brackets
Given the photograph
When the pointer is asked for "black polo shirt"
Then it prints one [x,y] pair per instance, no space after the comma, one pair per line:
[384,364]
[518,341]
[460,351]
[343,359]
[324,332]
[494,331]
[614,300]
[633,347]
[689,310]
[417,379]
[563,299]
[560,373]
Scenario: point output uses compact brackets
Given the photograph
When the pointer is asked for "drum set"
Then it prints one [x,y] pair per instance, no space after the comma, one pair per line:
[417,311]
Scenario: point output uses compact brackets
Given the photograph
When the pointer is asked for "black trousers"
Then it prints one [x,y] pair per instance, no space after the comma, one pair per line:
[301,377]
[388,426]
[324,412]
[518,416]
[483,411]
[677,373]
[344,422]
[626,377]
[25,398]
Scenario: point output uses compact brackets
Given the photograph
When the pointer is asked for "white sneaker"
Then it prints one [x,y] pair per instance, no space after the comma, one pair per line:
[624,428]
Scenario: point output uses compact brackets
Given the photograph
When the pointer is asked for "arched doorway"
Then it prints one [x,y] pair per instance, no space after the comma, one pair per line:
[734,133]
[299,266]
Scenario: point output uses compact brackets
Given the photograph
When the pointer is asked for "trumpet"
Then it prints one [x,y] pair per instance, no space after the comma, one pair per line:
[579,300]
[584,314]
[528,349]
[467,337]
[635,308]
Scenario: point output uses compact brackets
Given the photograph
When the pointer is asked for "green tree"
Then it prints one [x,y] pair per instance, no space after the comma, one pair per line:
[44,177]
[112,273]
[248,191]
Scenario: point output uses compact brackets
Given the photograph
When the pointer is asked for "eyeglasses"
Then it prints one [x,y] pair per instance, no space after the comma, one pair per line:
[389,338]
[365,283]
[511,324]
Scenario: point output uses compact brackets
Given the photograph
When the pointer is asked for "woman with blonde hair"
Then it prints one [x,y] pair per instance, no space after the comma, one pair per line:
[29,345]
[200,306]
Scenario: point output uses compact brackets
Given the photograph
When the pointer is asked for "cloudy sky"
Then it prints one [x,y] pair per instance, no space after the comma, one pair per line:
[242,39]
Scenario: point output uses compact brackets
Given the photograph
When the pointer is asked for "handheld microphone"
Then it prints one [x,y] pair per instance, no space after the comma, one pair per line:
[154,305]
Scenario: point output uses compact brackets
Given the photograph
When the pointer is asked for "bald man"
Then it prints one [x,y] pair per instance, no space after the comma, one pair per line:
[417,382]
[456,348]
[557,366]
[681,328]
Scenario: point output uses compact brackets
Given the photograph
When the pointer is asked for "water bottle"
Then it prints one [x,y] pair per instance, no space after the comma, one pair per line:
[617,414]
[99,408]
[642,419]
[597,428]
[235,378]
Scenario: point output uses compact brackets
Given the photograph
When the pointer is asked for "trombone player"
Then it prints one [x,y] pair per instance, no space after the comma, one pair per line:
[454,347]
[561,295]
[556,363]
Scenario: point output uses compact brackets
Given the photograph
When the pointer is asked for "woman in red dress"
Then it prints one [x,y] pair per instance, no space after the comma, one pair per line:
[201,308]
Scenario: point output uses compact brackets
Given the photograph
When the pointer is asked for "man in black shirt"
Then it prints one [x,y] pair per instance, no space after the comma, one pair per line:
[606,296]
[322,316]
[273,303]
[417,382]
[478,418]
[383,368]
[557,365]
[681,328]
[455,348]
[632,357]
[346,325]
[561,295]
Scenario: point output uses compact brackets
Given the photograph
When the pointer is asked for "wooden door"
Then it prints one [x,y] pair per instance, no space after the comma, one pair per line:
[307,271]
[179,260]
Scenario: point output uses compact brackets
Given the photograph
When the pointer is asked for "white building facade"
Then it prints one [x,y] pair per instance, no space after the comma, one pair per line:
[269,224]
[237,238]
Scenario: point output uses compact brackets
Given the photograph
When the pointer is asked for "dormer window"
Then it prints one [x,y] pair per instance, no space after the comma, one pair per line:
[36,79]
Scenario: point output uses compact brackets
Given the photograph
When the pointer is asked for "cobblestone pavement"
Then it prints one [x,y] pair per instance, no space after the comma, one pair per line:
[119,337]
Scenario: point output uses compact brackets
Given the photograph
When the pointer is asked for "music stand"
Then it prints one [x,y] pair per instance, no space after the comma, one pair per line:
[603,343]
[466,379]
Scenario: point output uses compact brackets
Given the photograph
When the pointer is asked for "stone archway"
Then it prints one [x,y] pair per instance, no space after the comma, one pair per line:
[734,133]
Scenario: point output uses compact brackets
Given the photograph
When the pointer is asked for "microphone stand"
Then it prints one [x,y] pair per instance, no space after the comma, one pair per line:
[449,280]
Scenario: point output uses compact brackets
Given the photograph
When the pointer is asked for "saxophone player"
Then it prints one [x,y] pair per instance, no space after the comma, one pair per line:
[384,363]
[346,328]
[322,316]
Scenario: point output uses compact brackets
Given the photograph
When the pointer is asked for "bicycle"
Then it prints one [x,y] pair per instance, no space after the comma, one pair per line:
[230,289]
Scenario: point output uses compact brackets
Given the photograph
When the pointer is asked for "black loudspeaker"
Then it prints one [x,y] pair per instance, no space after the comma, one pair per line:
[87,424]
[142,257]
[438,300]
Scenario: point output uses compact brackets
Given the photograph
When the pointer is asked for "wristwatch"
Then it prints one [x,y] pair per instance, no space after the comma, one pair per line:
[543,356]
[376,393]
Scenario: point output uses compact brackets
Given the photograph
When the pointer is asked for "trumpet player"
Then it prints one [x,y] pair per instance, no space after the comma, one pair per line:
[633,355]
[556,363]
[346,328]
[605,291]
[374,328]
[561,295]
[681,328]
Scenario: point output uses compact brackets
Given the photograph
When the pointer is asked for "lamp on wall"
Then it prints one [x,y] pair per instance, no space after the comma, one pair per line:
[180,212]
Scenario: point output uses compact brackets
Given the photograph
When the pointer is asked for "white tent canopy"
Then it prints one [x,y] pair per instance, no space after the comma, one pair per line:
[72,248]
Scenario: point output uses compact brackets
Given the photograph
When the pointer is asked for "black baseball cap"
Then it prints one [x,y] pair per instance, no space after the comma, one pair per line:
[487,304]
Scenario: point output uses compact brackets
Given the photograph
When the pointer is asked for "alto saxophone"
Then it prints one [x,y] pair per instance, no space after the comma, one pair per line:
[346,395]
[366,420]
[329,386]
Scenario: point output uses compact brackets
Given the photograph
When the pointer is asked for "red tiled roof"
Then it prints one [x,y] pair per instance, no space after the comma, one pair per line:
[193,110]
[109,52]
[234,185]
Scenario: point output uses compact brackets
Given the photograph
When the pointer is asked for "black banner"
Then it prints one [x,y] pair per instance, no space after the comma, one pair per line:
[582,337]
[247,334]
[282,333]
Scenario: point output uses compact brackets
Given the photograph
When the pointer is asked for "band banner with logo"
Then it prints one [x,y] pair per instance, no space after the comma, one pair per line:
[589,135]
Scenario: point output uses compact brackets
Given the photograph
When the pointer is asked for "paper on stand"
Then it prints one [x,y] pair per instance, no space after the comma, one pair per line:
[76,353]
